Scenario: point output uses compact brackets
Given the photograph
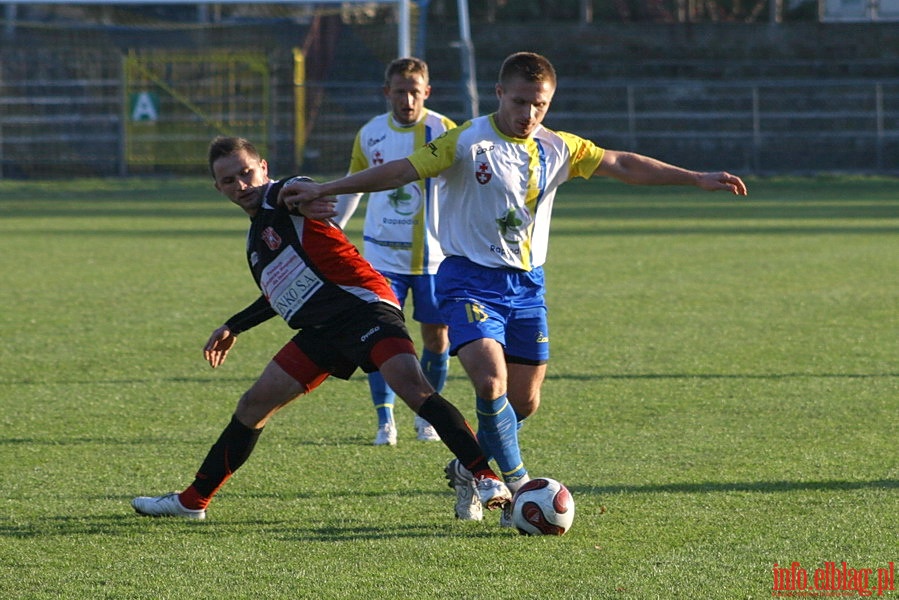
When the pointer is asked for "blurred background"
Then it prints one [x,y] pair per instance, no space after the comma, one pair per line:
[753,86]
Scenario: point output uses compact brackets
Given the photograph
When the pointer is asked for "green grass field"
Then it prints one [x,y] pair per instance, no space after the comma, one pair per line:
[723,396]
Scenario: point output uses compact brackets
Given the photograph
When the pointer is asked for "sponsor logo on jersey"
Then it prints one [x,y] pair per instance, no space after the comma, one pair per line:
[295,295]
[403,202]
[509,226]
[370,333]
[288,283]
[271,238]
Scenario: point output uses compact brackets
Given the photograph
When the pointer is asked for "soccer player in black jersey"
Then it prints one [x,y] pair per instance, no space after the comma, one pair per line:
[347,316]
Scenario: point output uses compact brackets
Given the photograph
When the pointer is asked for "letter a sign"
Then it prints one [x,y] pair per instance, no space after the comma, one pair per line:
[144,107]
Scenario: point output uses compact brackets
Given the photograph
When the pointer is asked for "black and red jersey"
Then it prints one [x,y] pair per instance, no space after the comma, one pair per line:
[308,271]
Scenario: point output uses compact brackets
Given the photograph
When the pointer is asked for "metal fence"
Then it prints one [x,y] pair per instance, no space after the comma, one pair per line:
[783,126]
[53,127]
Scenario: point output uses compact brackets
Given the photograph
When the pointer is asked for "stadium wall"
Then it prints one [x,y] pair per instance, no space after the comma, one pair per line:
[755,98]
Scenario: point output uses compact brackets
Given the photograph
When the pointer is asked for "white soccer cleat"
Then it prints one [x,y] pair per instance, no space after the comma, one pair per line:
[468,502]
[493,493]
[505,515]
[426,431]
[167,505]
[386,435]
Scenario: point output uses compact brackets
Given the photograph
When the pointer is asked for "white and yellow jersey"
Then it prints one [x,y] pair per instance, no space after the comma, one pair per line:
[502,189]
[400,231]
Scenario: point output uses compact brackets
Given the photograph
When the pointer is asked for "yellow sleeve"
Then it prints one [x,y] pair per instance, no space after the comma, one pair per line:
[438,155]
[585,155]
[358,162]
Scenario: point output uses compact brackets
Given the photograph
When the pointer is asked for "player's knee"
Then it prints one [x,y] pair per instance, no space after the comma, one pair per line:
[435,338]
[490,388]
[525,407]
[403,374]
[248,411]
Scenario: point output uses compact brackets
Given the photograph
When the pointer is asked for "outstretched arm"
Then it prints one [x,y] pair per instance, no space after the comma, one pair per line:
[388,176]
[219,344]
[222,339]
[643,170]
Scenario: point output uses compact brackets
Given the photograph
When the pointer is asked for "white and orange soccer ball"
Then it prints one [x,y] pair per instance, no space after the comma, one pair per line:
[542,506]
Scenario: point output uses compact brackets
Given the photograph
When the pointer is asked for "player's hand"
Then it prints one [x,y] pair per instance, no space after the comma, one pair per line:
[219,344]
[722,181]
[306,198]
[294,193]
[320,208]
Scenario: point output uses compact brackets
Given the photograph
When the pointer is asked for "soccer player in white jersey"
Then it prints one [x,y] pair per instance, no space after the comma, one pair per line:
[502,172]
[400,231]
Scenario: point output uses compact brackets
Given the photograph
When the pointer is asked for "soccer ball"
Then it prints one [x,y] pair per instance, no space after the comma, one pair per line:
[542,506]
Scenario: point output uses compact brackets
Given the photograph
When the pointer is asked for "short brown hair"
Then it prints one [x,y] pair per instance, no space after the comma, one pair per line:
[223,146]
[529,66]
[407,67]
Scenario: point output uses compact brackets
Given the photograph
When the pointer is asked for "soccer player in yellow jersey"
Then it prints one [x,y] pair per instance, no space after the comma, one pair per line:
[502,172]
[400,232]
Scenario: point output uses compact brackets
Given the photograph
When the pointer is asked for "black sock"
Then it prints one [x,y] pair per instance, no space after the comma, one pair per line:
[454,431]
[232,450]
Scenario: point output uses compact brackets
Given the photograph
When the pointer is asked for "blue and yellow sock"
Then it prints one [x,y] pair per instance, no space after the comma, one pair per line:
[498,436]
[435,367]
[382,397]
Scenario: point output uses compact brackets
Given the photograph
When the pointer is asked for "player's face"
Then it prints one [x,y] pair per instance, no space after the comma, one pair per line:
[407,96]
[242,179]
[522,105]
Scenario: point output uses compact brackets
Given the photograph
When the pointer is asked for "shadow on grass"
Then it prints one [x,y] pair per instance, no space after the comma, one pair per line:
[763,487]
[247,379]
[297,533]
[164,440]
[43,380]
[128,524]
[760,376]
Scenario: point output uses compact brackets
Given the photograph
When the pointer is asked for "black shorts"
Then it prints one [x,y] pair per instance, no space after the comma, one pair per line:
[364,339]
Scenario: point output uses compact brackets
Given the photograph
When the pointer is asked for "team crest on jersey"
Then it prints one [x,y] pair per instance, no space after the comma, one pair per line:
[377,158]
[483,174]
[271,238]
